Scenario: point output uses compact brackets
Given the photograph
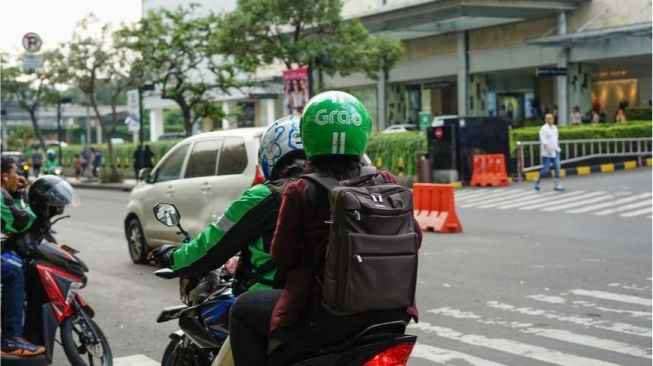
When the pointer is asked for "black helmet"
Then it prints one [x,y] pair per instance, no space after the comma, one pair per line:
[49,194]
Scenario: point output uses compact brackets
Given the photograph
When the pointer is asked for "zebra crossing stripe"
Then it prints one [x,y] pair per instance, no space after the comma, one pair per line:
[615,210]
[583,203]
[541,198]
[587,322]
[643,211]
[465,195]
[483,194]
[509,346]
[611,203]
[532,196]
[483,198]
[493,202]
[549,202]
[135,360]
[612,296]
[445,357]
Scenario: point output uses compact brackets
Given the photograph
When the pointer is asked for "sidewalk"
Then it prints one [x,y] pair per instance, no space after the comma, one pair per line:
[86,183]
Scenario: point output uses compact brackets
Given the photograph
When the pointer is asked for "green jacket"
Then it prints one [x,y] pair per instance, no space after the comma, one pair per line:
[247,226]
[17,217]
[50,165]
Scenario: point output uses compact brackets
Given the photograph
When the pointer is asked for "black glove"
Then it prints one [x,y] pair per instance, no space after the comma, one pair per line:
[162,255]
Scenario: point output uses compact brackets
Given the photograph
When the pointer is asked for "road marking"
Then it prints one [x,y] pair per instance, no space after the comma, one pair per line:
[519,197]
[541,199]
[525,200]
[476,193]
[510,346]
[643,211]
[632,313]
[587,322]
[494,198]
[583,203]
[611,203]
[445,357]
[589,341]
[557,334]
[549,202]
[549,299]
[135,360]
[612,296]
[628,286]
[475,200]
[623,208]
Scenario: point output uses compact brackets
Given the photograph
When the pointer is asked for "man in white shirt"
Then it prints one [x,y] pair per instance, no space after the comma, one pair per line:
[550,151]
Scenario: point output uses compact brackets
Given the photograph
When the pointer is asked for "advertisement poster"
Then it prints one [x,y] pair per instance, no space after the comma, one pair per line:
[295,90]
[133,113]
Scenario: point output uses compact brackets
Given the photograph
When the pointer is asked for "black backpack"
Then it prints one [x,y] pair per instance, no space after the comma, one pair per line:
[371,257]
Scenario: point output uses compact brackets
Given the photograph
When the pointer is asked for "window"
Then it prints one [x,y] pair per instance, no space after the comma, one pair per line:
[233,158]
[170,169]
[203,158]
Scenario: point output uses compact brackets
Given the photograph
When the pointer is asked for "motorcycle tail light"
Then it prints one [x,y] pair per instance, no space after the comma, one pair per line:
[72,291]
[393,356]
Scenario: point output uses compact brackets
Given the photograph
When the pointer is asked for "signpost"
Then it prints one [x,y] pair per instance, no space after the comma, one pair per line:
[32,44]
[551,71]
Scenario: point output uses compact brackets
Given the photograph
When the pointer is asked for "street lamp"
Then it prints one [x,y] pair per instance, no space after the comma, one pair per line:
[61,100]
[141,89]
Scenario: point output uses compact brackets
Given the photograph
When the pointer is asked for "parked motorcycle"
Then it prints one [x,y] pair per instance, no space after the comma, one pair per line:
[204,323]
[54,276]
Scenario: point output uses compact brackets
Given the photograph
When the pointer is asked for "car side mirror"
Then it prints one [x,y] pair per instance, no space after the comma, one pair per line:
[144,175]
[167,214]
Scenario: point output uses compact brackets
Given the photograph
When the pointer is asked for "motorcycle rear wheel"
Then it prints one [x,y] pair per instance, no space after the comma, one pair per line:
[76,347]
[176,354]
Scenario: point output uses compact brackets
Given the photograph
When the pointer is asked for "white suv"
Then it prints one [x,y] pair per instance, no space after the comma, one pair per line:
[201,175]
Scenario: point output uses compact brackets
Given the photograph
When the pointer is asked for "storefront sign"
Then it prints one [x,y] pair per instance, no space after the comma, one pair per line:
[550,71]
[295,90]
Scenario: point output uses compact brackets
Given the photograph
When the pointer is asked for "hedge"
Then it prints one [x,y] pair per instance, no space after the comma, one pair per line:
[639,113]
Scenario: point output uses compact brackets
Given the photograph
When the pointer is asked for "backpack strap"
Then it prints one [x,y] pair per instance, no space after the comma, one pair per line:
[321,180]
[328,182]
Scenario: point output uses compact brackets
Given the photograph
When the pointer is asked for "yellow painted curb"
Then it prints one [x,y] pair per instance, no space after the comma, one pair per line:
[630,164]
[583,170]
[457,184]
[531,176]
[607,168]
[563,173]
[649,162]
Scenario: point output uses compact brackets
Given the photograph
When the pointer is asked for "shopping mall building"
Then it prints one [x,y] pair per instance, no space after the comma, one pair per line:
[479,57]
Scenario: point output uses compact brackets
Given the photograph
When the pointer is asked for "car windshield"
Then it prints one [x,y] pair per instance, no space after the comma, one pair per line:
[14,156]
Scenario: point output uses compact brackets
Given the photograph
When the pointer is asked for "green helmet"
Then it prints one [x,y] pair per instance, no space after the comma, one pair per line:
[335,123]
[51,153]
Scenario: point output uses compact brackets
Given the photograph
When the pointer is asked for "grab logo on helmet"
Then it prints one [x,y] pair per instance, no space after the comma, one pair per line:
[324,117]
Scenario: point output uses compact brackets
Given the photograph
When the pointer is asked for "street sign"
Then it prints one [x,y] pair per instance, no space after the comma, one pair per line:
[438,133]
[32,62]
[425,119]
[550,71]
[32,42]
[133,120]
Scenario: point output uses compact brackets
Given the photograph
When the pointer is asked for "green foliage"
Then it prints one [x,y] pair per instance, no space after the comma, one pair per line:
[174,47]
[638,113]
[390,147]
[20,137]
[296,32]
[600,131]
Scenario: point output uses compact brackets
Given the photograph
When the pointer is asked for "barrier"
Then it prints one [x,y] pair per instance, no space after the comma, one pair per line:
[489,170]
[434,207]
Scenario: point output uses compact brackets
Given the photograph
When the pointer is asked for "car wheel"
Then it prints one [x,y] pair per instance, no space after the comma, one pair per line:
[136,243]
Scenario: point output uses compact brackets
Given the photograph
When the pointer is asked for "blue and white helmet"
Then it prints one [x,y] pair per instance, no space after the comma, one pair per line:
[278,140]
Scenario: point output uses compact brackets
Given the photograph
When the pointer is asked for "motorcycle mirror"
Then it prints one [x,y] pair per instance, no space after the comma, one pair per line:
[167,214]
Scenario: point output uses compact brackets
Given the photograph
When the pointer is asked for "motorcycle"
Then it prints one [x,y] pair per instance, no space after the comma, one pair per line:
[54,276]
[204,324]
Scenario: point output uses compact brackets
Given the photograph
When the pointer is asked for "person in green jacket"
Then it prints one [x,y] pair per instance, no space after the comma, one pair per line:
[248,224]
[16,218]
[51,163]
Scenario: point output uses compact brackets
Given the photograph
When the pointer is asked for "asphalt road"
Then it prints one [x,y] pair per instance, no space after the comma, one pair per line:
[535,278]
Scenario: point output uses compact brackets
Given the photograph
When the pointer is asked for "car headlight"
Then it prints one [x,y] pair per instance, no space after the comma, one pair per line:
[25,167]
[72,291]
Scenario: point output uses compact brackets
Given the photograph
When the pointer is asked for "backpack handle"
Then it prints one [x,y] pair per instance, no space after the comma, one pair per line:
[328,182]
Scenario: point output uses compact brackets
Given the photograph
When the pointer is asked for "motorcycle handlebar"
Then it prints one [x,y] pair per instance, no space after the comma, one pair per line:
[166,273]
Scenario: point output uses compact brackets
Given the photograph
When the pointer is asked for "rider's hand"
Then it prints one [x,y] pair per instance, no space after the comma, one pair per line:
[232,265]
[22,182]
[162,256]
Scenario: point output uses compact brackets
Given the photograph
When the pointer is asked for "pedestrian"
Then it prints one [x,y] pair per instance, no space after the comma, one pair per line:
[138,162]
[576,118]
[148,157]
[555,114]
[503,112]
[620,116]
[78,165]
[37,162]
[97,160]
[595,116]
[86,159]
[550,151]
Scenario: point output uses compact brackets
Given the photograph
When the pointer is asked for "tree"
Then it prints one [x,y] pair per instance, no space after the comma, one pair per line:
[300,33]
[20,137]
[98,65]
[175,49]
[31,89]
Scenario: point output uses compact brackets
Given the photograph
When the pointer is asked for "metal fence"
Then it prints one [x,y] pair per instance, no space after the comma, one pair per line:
[528,152]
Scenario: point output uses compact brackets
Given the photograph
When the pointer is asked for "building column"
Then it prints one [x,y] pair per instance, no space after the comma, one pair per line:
[478,85]
[225,120]
[562,81]
[156,123]
[462,73]
[98,131]
[381,102]
[269,111]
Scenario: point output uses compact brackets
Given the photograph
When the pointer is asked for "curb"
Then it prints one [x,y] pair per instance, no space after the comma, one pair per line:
[591,169]
[119,187]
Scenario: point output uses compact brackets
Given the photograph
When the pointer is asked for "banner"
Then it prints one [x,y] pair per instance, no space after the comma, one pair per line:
[133,119]
[295,90]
